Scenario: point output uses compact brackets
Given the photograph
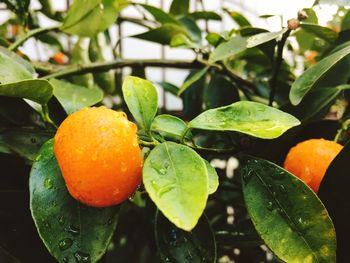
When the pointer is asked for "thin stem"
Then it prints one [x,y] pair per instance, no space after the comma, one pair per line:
[46,116]
[30,34]
[277,66]
[147,144]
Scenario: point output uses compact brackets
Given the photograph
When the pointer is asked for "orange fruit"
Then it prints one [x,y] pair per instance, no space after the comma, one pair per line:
[59,58]
[99,156]
[310,159]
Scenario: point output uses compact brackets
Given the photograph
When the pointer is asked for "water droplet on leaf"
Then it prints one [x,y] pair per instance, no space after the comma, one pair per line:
[65,243]
[48,183]
[82,257]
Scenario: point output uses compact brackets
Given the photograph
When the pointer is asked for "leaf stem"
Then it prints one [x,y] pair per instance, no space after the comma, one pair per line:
[31,34]
[46,116]
[277,65]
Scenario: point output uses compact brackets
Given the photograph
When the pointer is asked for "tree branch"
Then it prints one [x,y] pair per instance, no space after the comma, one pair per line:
[30,34]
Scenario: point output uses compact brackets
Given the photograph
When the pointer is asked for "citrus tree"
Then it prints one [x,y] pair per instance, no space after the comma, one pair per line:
[138,183]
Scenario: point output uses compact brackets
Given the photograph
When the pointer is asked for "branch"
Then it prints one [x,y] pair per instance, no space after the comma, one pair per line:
[30,34]
[277,65]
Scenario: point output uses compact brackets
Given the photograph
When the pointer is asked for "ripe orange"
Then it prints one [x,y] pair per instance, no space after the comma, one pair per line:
[310,159]
[99,156]
[59,58]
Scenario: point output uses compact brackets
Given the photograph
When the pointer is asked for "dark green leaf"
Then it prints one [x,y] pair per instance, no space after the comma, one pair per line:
[194,32]
[176,245]
[159,15]
[169,126]
[324,33]
[71,231]
[239,18]
[193,79]
[316,102]
[25,143]
[37,90]
[142,99]
[176,179]
[180,7]
[287,214]
[314,74]
[232,47]
[334,193]
[168,87]
[205,15]
[163,34]
[247,117]
[74,97]
[219,92]
[87,18]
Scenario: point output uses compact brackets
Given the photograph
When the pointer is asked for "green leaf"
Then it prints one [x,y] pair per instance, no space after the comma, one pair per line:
[12,68]
[213,178]
[219,92]
[314,74]
[205,15]
[345,23]
[168,87]
[179,7]
[89,17]
[193,31]
[316,102]
[193,79]
[71,231]
[324,33]
[16,58]
[74,97]
[247,117]
[176,245]
[37,90]
[334,193]
[287,214]
[262,38]
[176,180]
[25,143]
[181,40]
[159,15]
[142,99]
[227,49]
[163,34]
[169,126]
[239,18]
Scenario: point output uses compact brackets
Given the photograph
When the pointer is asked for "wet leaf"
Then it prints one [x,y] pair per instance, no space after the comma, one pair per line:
[287,214]
[176,180]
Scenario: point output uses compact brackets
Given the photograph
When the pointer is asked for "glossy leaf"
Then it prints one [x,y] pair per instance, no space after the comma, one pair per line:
[37,90]
[176,180]
[316,102]
[247,117]
[25,143]
[324,33]
[180,7]
[334,193]
[169,126]
[70,230]
[176,245]
[12,68]
[89,17]
[262,38]
[74,97]
[142,99]
[205,15]
[159,15]
[213,178]
[193,79]
[287,214]
[162,34]
[345,23]
[227,49]
[314,74]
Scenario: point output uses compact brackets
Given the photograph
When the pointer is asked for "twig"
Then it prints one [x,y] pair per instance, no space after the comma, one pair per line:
[30,34]
[277,65]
